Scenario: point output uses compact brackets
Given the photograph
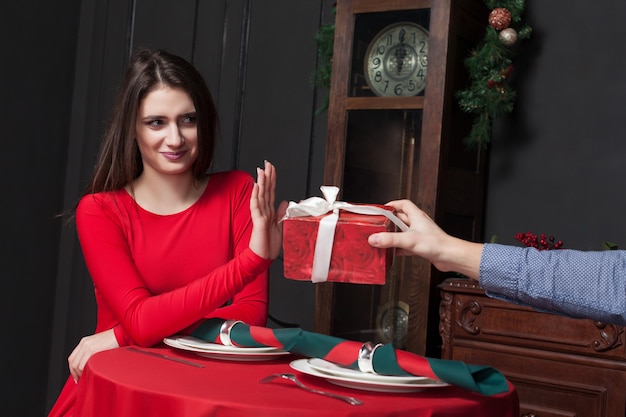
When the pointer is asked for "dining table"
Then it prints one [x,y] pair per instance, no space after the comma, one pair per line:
[164,381]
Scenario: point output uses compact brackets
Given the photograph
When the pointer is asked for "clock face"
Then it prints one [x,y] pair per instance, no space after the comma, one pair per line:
[396,60]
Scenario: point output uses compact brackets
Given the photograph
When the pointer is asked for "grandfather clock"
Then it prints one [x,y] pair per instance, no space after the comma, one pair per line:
[395,131]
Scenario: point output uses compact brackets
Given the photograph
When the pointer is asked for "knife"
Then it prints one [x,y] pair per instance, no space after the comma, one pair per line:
[163,356]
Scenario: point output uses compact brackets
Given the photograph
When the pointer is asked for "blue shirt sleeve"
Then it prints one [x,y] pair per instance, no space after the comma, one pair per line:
[568,282]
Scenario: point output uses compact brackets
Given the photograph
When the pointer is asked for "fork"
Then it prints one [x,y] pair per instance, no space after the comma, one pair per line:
[293,378]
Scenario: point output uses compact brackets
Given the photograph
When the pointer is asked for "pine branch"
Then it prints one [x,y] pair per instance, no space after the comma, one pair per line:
[489,66]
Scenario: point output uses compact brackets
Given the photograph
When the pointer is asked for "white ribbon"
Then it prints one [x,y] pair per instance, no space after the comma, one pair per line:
[316,206]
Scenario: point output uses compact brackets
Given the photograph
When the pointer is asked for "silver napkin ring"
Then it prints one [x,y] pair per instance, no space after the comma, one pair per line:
[366,355]
[225,329]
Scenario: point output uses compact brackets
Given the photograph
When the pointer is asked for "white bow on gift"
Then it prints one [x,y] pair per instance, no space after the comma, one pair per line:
[316,206]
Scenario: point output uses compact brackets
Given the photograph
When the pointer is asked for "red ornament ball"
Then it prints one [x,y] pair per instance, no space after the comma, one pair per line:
[500,18]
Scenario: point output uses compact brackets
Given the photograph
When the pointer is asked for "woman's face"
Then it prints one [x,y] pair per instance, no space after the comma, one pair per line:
[167,133]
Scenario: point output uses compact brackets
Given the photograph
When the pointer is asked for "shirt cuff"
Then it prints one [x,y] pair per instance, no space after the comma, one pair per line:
[500,268]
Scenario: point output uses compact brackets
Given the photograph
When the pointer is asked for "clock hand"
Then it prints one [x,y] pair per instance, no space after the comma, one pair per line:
[400,52]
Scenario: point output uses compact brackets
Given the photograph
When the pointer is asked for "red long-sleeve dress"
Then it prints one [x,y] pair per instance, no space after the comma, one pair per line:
[158,275]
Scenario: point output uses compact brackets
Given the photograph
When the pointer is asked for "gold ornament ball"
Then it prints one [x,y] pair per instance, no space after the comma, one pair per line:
[500,18]
[508,37]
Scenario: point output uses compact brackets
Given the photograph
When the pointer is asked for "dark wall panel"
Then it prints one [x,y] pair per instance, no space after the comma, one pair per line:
[558,160]
[163,24]
[277,114]
[38,42]
[100,55]
[229,87]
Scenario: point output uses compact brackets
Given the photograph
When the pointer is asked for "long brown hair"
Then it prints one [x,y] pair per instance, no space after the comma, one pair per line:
[119,161]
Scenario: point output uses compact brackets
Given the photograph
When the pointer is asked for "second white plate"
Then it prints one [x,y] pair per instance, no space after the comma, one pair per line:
[332,369]
[302,365]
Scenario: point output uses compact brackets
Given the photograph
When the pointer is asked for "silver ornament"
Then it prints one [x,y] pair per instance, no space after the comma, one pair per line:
[508,36]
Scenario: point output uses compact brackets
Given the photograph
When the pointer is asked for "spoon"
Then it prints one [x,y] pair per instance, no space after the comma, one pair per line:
[292,377]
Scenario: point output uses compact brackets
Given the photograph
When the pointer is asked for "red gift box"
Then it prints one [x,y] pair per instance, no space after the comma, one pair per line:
[353,260]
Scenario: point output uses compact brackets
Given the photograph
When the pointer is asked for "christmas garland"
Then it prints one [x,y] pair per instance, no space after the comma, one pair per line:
[489,65]
[490,94]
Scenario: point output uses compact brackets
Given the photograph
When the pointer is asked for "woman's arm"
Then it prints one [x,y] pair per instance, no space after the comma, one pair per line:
[147,317]
[265,239]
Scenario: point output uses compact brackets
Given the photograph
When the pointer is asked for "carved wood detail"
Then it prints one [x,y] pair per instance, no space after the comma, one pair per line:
[610,337]
[466,313]
[445,320]
[560,366]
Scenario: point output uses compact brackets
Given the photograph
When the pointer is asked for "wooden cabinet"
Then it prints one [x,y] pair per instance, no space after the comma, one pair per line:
[560,366]
[402,138]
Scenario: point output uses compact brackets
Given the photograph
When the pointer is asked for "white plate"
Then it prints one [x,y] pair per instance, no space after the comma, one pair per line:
[215,347]
[336,370]
[240,354]
[302,365]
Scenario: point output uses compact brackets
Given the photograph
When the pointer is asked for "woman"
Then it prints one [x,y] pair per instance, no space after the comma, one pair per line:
[166,244]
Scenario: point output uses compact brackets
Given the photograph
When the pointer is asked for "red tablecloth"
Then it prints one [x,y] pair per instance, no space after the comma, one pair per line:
[123,383]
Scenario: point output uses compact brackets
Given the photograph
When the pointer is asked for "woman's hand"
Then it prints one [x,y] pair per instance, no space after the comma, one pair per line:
[87,346]
[267,231]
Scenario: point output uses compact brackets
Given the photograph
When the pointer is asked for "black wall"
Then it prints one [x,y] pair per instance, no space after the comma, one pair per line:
[38,50]
[556,162]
